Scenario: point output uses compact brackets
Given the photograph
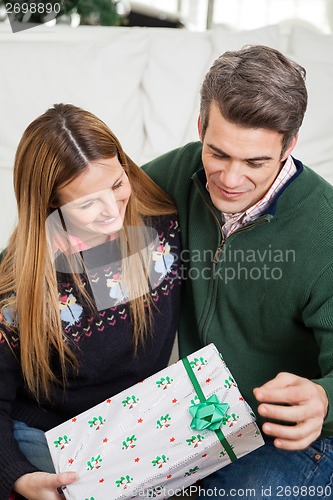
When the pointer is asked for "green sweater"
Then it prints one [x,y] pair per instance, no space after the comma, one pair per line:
[264,296]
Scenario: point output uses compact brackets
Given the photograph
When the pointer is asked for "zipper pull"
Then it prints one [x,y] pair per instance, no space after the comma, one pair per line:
[218,253]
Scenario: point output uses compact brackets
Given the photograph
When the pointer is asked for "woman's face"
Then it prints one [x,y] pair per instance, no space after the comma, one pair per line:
[93,205]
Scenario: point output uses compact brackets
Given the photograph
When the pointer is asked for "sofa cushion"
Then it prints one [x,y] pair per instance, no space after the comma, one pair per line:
[100,73]
[305,43]
[315,144]
[177,64]
[224,39]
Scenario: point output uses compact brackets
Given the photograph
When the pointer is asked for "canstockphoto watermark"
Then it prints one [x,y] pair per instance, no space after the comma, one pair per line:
[164,492]
[263,491]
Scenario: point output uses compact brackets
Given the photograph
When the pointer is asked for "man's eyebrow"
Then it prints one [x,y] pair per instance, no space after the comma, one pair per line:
[218,150]
[223,153]
[259,158]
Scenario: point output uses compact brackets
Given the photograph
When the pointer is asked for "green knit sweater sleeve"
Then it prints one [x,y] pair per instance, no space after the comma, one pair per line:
[173,170]
[318,315]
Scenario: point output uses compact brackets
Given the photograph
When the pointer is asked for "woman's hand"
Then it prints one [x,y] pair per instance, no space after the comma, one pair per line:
[42,485]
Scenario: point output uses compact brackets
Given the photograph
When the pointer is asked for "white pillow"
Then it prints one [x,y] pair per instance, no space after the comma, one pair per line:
[315,144]
[305,43]
[101,72]
[177,63]
[223,39]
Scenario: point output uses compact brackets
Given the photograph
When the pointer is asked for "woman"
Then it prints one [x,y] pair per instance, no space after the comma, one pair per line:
[88,284]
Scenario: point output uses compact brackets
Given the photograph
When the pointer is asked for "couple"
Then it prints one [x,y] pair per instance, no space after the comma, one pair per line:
[263,296]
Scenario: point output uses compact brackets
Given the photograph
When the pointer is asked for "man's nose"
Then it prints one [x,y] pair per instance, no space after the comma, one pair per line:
[231,175]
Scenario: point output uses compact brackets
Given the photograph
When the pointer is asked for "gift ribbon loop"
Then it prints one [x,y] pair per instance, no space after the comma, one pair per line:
[209,413]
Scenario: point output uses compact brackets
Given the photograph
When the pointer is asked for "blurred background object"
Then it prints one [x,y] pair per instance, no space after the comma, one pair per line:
[90,12]
[193,15]
[140,14]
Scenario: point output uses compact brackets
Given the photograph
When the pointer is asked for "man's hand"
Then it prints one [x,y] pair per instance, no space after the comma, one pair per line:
[41,485]
[295,400]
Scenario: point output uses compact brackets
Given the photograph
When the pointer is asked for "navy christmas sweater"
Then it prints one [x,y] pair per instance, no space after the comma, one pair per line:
[102,342]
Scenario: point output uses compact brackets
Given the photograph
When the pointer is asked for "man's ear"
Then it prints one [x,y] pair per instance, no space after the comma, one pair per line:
[199,128]
[290,148]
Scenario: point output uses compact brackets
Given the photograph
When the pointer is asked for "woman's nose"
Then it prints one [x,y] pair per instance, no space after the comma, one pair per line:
[109,204]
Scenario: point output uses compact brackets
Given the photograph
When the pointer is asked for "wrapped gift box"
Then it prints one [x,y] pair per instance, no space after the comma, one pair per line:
[158,436]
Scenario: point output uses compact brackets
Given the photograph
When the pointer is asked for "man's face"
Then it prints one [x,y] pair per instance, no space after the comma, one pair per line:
[240,163]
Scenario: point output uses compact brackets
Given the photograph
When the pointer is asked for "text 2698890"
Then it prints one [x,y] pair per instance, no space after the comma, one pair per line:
[33,7]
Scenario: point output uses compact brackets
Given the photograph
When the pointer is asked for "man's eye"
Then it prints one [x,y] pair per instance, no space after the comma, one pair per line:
[254,165]
[220,157]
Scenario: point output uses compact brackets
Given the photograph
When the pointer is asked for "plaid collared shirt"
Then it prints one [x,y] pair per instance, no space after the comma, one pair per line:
[232,222]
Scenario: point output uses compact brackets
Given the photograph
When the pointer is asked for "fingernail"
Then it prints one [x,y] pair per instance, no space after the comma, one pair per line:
[73,476]
[263,410]
[260,395]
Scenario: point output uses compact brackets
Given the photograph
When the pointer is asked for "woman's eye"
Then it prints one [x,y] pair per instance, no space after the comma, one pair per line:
[87,205]
[116,186]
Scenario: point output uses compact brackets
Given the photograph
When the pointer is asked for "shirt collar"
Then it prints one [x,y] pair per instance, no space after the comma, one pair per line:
[235,221]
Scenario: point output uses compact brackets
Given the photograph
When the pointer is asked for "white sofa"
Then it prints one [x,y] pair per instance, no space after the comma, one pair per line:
[144,82]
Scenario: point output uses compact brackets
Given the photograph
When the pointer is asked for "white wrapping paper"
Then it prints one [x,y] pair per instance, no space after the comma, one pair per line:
[140,444]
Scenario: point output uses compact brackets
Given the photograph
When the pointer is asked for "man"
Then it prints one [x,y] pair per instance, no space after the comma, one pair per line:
[257,234]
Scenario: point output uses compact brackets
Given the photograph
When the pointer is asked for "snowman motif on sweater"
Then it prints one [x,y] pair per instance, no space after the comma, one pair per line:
[70,311]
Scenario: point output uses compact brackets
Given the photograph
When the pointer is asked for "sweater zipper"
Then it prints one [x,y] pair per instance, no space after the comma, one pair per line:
[219,249]
[221,244]
[218,253]
[224,239]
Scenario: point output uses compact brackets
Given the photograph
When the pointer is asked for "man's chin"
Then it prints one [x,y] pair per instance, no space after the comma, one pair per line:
[231,209]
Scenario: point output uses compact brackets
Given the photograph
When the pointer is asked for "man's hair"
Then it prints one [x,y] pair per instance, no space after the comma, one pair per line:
[256,87]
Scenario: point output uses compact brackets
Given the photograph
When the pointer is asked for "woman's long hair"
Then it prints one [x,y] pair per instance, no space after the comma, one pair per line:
[54,149]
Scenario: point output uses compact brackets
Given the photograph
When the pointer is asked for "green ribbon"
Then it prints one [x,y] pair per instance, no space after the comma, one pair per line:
[209,413]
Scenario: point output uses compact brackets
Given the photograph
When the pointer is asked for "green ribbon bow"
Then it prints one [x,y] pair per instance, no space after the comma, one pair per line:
[208,415]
